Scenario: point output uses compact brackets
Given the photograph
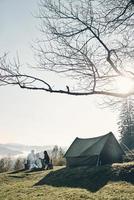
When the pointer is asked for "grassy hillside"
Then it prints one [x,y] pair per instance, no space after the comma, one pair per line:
[107,182]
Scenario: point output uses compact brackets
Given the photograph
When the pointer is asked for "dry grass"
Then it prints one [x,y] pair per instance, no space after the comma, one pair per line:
[102,183]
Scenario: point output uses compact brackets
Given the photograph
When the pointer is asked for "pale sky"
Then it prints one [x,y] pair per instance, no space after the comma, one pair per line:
[36,117]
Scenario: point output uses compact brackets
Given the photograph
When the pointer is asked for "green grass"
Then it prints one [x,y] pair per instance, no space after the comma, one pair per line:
[107,182]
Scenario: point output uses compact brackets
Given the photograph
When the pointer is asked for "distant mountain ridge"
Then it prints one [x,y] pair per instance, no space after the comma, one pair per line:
[23,147]
[14,149]
[5,151]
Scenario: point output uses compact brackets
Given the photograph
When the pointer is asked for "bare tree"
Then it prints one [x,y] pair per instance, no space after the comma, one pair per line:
[89,41]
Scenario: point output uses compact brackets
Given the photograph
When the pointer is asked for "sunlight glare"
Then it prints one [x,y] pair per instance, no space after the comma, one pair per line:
[125,85]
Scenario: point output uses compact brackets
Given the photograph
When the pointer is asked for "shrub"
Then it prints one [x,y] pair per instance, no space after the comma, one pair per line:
[6,164]
[59,161]
[19,164]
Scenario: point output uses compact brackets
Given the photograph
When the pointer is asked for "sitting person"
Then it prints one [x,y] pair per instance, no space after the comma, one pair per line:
[46,161]
[31,158]
[38,161]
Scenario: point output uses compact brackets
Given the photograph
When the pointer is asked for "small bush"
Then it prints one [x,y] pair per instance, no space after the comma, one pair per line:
[6,164]
[19,164]
[59,161]
[57,156]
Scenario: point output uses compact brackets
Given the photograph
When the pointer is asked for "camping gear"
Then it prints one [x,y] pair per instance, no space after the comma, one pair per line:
[95,151]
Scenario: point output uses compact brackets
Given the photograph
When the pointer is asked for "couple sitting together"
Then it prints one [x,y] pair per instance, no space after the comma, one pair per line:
[35,162]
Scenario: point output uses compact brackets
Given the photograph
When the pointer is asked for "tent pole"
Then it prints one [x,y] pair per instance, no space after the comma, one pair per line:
[131,152]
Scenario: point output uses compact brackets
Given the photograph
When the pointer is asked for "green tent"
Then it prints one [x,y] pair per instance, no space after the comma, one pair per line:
[100,150]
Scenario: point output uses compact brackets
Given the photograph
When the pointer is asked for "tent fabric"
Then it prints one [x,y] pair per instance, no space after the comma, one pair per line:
[91,151]
[82,161]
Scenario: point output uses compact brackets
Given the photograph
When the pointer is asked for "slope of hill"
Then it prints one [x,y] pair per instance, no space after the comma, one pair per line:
[99,183]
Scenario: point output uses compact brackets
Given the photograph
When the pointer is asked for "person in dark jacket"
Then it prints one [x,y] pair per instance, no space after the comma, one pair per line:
[46,157]
[45,160]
